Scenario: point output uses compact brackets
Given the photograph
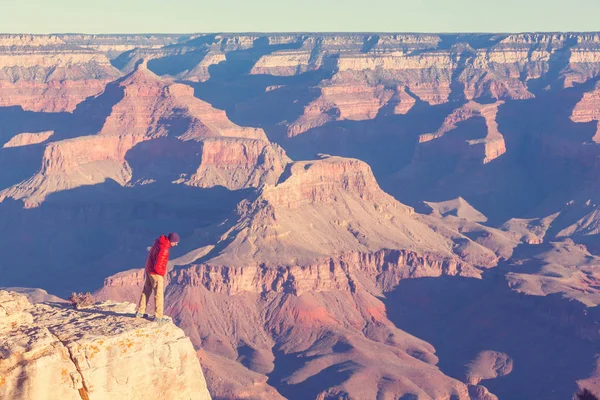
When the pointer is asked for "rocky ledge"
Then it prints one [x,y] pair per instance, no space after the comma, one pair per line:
[50,351]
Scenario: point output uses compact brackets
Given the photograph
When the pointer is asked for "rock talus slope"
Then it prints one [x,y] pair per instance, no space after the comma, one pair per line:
[48,351]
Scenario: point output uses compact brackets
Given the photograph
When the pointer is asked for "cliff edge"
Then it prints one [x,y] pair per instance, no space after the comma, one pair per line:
[49,351]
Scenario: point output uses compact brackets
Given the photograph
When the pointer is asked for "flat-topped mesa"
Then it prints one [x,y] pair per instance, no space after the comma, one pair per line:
[319,181]
[237,163]
[344,214]
[53,352]
[50,58]
[113,45]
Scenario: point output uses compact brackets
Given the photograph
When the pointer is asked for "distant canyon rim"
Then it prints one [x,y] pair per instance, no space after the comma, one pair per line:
[362,215]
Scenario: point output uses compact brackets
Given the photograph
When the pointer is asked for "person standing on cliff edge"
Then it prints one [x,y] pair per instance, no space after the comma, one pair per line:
[156,268]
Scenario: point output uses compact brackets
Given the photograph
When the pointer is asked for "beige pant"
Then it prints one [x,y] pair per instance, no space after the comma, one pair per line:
[153,283]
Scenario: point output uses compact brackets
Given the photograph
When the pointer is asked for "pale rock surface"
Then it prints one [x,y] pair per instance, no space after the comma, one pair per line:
[563,268]
[458,207]
[35,295]
[45,73]
[237,163]
[488,364]
[529,230]
[49,351]
[26,138]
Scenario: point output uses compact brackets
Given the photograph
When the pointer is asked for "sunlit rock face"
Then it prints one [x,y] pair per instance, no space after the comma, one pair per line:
[101,352]
[348,203]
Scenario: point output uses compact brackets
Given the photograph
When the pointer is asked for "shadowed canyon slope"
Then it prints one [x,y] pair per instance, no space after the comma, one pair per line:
[362,216]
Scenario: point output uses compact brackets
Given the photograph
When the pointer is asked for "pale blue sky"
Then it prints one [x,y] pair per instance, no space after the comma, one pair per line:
[185,16]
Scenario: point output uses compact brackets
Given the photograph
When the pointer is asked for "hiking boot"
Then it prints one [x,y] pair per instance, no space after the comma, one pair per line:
[162,320]
[140,315]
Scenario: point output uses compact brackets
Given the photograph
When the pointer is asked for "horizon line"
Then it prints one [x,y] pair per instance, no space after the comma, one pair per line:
[306,32]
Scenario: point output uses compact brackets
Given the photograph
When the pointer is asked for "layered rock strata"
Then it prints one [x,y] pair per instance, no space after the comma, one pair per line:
[150,108]
[45,73]
[238,163]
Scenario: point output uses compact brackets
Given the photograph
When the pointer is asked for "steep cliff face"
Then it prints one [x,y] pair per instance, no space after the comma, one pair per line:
[238,163]
[484,149]
[329,321]
[50,351]
[149,108]
[46,73]
[586,110]
[343,209]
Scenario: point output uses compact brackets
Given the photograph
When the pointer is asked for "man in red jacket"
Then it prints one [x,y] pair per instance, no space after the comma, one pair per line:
[156,268]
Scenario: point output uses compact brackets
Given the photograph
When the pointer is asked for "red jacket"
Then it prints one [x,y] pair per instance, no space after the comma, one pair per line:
[158,257]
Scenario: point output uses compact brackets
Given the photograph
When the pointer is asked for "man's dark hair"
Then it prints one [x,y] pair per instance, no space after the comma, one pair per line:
[585,395]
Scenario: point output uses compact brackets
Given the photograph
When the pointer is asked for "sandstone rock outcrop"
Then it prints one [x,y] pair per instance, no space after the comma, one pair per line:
[150,108]
[295,290]
[49,351]
[344,211]
[330,326]
[238,163]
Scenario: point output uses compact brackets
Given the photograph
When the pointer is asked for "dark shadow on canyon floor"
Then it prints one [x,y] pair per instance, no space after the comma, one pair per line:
[77,238]
[463,316]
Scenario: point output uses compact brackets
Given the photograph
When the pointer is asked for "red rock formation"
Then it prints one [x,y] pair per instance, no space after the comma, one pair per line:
[45,73]
[299,287]
[238,163]
[349,98]
[334,325]
[148,108]
[54,96]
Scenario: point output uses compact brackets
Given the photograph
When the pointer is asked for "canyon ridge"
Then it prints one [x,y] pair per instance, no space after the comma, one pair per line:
[362,216]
